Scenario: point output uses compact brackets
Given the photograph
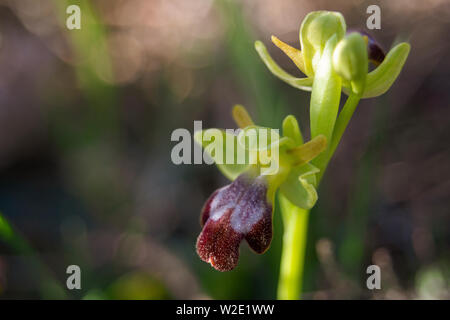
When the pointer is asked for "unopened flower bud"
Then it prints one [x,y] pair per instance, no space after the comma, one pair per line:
[350,61]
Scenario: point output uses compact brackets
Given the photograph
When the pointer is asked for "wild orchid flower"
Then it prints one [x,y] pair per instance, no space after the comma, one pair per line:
[320,28]
[333,61]
[244,208]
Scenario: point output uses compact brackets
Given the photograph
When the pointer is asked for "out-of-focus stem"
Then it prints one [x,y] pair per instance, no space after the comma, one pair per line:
[21,247]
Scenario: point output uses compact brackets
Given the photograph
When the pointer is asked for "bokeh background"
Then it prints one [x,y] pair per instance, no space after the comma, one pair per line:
[85,170]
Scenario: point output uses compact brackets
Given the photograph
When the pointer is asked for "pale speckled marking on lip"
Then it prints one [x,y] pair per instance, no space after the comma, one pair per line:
[233,213]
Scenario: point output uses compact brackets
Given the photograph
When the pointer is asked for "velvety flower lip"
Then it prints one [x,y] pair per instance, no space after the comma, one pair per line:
[235,212]
[243,209]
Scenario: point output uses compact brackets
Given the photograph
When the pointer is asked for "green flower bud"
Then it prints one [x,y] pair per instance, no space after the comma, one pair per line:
[350,61]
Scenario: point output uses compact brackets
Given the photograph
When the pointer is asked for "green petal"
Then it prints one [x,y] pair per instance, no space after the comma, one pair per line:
[231,169]
[316,29]
[308,151]
[350,61]
[381,79]
[299,83]
[300,186]
[293,53]
[291,130]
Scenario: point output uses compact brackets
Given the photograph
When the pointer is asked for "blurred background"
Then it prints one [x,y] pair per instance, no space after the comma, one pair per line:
[86,176]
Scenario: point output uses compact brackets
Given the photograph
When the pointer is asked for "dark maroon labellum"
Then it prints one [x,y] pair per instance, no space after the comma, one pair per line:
[375,52]
[233,213]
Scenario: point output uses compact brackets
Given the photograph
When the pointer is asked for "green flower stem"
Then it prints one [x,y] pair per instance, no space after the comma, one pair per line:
[341,124]
[295,221]
[344,117]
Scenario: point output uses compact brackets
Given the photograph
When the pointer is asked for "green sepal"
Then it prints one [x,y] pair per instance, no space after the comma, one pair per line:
[299,83]
[291,129]
[231,171]
[381,79]
[265,138]
[300,186]
[325,95]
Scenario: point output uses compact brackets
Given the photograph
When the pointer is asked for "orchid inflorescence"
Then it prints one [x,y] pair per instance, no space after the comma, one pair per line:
[243,209]
[334,61]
